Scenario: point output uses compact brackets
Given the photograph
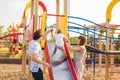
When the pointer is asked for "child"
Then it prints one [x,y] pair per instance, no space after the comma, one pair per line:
[59,44]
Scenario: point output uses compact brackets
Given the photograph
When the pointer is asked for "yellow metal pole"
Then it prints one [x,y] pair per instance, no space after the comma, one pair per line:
[66,14]
[109,9]
[61,22]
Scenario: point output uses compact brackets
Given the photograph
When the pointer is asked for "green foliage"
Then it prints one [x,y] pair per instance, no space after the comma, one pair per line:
[73,40]
[90,41]
[117,43]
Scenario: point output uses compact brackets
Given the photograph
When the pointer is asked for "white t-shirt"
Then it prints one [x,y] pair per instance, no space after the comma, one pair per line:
[59,39]
[35,48]
[79,56]
[78,62]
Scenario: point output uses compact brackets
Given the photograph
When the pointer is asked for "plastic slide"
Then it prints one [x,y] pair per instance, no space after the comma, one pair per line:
[63,71]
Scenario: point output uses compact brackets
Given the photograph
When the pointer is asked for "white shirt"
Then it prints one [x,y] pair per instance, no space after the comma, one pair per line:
[59,39]
[35,48]
[79,56]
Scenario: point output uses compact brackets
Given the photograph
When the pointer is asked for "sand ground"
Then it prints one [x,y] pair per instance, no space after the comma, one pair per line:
[13,72]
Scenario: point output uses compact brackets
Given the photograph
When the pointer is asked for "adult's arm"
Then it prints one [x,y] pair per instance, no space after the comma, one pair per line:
[74,48]
[35,59]
[46,33]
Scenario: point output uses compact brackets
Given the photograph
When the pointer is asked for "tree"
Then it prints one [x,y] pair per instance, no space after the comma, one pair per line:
[73,40]
[117,43]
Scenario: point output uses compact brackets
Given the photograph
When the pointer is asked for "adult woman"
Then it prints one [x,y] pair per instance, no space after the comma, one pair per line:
[35,51]
[79,52]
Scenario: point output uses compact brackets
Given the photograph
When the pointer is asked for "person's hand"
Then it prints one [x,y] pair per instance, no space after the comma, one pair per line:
[47,65]
[50,30]
[68,36]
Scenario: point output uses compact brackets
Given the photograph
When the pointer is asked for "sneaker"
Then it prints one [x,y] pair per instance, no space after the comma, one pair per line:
[64,58]
[54,51]
[56,63]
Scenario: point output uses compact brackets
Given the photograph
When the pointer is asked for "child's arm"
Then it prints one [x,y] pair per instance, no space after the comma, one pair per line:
[52,34]
[67,37]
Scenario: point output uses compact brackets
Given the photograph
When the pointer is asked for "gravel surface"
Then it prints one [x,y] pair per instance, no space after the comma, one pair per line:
[13,72]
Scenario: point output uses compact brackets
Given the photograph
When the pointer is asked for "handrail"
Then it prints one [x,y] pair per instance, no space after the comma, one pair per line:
[70,64]
[48,60]
[11,35]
